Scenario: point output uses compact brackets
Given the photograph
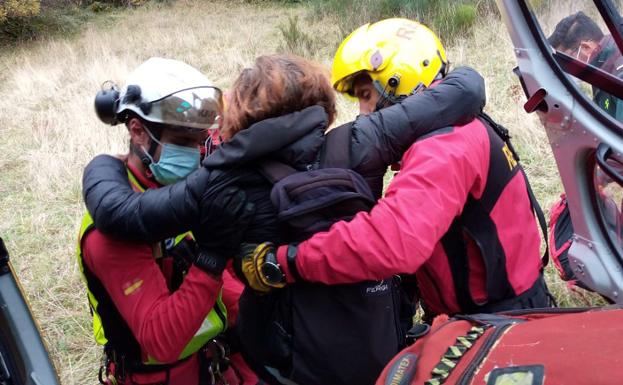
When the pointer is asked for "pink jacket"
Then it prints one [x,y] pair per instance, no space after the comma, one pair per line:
[403,231]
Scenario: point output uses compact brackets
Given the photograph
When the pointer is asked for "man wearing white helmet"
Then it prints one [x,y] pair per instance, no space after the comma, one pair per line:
[157,307]
[459,215]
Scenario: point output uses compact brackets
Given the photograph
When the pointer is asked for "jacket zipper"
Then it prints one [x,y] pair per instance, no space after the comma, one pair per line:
[466,376]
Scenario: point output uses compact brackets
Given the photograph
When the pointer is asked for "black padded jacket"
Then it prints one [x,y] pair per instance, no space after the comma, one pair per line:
[297,139]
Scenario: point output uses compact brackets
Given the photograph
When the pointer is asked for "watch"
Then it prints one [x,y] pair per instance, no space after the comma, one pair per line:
[271,270]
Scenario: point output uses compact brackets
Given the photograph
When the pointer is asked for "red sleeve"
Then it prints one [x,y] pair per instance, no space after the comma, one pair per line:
[232,290]
[400,232]
[162,322]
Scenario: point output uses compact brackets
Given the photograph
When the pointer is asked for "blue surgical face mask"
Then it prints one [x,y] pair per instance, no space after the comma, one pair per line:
[175,162]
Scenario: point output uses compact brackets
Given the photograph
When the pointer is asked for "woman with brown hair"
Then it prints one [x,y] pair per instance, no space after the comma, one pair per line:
[279,110]
[275,86]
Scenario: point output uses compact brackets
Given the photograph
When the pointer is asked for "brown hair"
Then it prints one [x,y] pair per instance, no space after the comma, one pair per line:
[276,85]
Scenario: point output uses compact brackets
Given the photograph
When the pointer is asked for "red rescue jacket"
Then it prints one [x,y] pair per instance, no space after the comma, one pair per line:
[162,321]
[460,195]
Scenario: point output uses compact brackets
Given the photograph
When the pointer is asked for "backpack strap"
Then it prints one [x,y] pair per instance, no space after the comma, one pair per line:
[336,149]
[275,171]
[503,133]
[335,154]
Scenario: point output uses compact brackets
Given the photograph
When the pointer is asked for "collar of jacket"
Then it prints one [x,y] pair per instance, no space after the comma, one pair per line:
[294,139]
[603,58]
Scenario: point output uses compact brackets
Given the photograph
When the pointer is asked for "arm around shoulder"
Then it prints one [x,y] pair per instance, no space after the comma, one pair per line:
[154,215]
[402,230]
[381,139]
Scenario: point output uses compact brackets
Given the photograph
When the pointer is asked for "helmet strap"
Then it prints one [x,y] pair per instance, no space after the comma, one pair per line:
[385,95]
[155,141]
[147,157]
[443,71]
[146,160]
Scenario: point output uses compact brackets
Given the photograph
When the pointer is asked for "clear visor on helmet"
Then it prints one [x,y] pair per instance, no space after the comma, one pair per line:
[346,87]
[199,107]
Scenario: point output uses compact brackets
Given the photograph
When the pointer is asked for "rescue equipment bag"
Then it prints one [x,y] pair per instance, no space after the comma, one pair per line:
[519,347]
[313,333]
[560,233]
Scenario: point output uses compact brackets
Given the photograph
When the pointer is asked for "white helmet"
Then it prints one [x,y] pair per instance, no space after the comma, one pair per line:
[163,91]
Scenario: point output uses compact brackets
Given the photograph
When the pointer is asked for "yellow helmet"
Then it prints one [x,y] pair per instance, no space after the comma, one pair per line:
[400,55]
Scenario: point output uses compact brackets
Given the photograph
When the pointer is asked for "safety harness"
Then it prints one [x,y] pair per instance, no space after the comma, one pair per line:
[475,222]
[122,352]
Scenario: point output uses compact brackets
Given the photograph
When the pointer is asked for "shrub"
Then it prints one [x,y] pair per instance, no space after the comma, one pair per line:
[295,40]
[15,15]
[17,9]
[454,20]
[29,19]
[47,22]
[448,18]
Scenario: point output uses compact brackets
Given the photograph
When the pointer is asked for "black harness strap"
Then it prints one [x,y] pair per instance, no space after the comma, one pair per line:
[542,222]
[479,226]
[334,154]
[117,331]
[475,223]
[122,347]
[275,171]
[505,136]
[455,248]
[182,255]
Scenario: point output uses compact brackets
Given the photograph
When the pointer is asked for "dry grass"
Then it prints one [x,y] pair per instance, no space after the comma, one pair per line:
[49,132]
[489,50]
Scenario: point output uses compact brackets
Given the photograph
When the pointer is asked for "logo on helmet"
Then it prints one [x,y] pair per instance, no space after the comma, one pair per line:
[376,60]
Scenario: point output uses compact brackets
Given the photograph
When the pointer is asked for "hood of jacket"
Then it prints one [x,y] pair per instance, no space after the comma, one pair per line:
[294,139]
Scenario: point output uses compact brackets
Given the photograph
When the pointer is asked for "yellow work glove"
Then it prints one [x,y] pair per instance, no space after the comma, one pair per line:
[256,265]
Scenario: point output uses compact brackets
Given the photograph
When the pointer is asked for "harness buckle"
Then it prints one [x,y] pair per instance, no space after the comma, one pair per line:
[212,376]
[105,375]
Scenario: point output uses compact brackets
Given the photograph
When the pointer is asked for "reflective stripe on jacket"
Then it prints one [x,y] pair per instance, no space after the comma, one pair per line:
[112,330]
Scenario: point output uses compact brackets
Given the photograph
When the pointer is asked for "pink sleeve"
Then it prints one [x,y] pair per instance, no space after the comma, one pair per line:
[232,290]
[162,322]
[400,232]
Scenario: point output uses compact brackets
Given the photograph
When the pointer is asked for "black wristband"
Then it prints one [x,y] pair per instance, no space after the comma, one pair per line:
[211,263]
[291,257]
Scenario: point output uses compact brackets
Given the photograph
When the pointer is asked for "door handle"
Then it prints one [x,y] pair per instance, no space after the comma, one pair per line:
[604,152]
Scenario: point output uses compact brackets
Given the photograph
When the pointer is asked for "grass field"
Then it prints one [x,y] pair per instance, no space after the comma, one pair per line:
[49,131]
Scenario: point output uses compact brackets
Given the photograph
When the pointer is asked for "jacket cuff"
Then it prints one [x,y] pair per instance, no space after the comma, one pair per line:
[204,276]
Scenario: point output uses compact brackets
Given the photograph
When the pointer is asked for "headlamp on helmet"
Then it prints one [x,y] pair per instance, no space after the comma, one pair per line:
[106,103]
[163,91]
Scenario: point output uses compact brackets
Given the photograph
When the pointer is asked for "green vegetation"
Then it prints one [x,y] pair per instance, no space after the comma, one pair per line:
[24,20]
[14,9]
[14,14]
[47,22]
[296,40]
[448,18]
